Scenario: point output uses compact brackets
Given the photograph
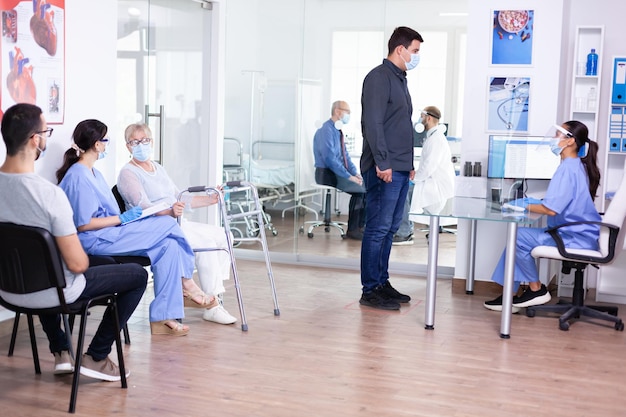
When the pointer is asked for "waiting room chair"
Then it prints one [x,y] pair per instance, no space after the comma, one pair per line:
[30,262]
[612,233]
[327,223]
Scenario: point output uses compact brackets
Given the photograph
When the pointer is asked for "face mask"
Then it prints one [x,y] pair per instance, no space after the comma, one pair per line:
[42,152]
[554,146]
[415,59]
[345,118]
[103,154]
[142,152]
[419,126]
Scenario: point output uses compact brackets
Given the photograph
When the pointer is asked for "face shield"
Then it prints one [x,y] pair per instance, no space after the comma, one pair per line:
[557,133]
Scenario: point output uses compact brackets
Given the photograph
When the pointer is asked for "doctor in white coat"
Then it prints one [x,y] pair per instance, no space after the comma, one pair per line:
[434,179]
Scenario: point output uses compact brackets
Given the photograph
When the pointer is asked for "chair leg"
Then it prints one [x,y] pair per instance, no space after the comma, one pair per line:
[118,342]
[78,360]
[16,324]
[126,335]
[33,343]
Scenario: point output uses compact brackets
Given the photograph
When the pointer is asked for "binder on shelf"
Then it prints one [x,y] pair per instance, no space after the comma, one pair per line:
[619,81]
[624,145]
[615,145]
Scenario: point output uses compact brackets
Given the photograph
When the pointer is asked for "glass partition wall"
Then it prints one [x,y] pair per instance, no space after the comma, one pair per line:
[286,62]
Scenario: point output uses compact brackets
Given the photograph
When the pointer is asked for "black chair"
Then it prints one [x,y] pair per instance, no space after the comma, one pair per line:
[612,233]
[30,262]
[327,223]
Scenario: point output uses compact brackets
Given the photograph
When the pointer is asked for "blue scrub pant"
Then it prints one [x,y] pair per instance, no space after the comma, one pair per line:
[162,240]
[525,265]
[127,280]
[385,206]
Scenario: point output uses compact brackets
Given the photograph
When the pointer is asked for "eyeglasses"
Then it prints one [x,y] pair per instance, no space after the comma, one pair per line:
[48,132]
[105,139]
[142,141]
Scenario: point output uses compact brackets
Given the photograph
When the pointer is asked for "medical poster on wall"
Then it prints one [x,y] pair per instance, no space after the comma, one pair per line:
[33,56]
[512,39]
[508,104]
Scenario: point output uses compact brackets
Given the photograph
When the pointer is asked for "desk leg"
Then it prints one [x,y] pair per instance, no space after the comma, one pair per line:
[431,274]
[469,284]
[507,291]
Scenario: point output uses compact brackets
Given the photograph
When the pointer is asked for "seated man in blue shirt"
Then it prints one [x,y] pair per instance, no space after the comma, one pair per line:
[334,167]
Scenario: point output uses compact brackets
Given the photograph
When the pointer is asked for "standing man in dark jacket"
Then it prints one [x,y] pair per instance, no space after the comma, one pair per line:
[386,163]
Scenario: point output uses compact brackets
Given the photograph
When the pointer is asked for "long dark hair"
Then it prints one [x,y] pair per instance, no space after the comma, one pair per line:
[85,135]
[581,135]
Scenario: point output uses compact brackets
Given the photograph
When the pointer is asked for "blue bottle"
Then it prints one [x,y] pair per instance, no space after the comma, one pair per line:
[592,63]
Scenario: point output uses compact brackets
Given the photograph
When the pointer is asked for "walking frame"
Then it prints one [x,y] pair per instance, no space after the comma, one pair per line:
[226,219]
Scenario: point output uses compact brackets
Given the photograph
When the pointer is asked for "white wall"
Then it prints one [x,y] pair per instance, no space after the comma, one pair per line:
[545,74]
[90,62]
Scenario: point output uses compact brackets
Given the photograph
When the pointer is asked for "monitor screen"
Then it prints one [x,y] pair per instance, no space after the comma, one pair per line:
[521,157]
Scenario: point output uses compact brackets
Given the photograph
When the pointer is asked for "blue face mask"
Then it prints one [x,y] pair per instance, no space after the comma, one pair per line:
[42,152]
[554,146]
[103,154]
[142,152]
[415,59]
[345,118]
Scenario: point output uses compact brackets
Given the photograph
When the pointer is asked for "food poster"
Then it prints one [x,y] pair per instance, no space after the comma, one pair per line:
[33,55]
[512,41]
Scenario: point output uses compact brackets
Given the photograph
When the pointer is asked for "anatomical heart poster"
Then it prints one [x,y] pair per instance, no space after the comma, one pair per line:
[33,55]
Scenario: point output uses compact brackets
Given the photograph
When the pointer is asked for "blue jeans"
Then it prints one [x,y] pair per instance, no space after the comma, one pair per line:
[127,280]
[385,206]
[406,225]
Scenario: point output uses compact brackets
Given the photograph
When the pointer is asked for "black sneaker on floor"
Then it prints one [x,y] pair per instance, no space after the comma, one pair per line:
[394,294]
[496,305]
[377,299]
[532,298]
[402,240]
[354,234]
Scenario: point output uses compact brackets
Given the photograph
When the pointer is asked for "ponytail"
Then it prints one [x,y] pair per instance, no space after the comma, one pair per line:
[70,157]
[593,172]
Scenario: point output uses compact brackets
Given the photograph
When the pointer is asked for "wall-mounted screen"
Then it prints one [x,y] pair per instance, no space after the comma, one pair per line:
[521,157]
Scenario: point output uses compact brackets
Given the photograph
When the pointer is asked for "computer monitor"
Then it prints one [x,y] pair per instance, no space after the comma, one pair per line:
[521,157]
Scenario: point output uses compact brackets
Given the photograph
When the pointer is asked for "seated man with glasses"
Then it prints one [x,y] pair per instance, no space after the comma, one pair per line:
[334,167]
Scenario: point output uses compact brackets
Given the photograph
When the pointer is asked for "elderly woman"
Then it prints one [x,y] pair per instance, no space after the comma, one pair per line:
[144,183]
[102,230]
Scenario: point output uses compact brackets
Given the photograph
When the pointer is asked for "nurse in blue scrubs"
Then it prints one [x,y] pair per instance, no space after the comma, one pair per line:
[104,231]
[569,198]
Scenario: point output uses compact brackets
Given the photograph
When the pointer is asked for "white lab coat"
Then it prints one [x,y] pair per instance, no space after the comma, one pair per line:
[434,179]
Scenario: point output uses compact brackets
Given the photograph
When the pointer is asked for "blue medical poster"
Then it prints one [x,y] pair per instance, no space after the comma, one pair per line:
[512,40]
[508,104]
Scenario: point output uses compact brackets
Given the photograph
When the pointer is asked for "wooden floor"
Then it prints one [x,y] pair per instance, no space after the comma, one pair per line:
[327,356]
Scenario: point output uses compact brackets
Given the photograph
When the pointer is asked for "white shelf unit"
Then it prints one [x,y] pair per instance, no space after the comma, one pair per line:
[611,284]
[586,38]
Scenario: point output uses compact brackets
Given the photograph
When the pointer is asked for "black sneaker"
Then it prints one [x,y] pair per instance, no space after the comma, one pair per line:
[532,298]
[394,294]
[377,299]
[496,305]
[354,234]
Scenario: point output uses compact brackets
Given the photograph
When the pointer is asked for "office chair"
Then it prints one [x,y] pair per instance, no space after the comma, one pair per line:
[30,262]
[327,222]
[612,231]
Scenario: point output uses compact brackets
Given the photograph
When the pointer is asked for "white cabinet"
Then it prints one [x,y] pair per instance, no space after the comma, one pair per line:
[582,107]
[611,282]
[584,102]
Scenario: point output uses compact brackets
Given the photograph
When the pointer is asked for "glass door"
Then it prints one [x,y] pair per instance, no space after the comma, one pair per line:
[163,76]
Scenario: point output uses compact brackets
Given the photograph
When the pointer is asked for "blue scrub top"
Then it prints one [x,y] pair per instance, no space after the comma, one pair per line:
[568,196]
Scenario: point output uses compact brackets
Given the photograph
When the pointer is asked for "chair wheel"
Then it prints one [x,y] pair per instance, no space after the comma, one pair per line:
[563,325]
[327,229]
[310,234]
[275,232]
[530,312]
[619,326]
[300,230]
